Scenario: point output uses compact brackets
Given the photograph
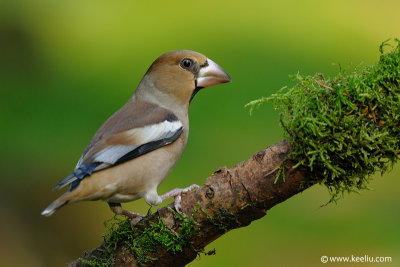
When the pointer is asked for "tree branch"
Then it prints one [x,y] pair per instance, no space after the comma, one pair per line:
[230,198]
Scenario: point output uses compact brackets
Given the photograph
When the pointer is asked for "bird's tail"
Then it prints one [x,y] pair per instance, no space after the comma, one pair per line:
[58,203]
[66,181]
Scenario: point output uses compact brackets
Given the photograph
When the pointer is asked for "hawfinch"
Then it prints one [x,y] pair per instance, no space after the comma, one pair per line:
[137,147]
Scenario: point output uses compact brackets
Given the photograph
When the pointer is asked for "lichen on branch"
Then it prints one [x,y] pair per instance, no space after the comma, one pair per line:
[345,128]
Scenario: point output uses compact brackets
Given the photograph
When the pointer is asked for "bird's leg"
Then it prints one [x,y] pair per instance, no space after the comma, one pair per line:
[117,209]
[177,193]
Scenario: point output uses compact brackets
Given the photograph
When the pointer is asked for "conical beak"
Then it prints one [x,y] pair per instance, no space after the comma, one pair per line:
[211,74]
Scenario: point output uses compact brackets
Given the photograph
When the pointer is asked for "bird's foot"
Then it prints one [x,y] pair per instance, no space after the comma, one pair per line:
[117,209]
[135,217]
[177,194]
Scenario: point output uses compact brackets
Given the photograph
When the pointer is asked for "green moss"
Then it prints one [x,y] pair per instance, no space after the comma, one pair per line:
[226,219]
[223,219]
[140,241]
[173,242]
[210,204]
[98,262]
[345,128]
[245,206]
[117,230]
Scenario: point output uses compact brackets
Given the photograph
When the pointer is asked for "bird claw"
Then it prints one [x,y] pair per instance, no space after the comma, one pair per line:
[135,220]
[177,194]
[135,217]
[177,203]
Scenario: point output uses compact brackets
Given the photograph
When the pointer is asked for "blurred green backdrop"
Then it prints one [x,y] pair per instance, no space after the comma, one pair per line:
[66,66]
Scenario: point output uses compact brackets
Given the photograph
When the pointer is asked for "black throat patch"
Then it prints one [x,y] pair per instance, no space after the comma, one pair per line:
[196,89]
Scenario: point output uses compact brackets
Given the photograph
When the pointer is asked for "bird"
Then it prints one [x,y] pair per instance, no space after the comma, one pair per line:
[135,149]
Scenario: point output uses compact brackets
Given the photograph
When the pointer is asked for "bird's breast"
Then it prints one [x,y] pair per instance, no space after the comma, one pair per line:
[134,178]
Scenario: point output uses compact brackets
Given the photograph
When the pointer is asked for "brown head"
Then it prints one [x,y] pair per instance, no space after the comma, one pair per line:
[181,74]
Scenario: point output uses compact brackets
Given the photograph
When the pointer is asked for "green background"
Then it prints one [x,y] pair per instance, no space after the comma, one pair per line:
[65,66]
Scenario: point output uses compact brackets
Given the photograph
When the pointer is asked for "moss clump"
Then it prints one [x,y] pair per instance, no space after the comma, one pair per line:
[142,241]
[118,230]
[223,219]
[345,128]
[226,219]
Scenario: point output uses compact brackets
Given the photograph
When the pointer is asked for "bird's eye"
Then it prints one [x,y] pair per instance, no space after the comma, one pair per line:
[186,63]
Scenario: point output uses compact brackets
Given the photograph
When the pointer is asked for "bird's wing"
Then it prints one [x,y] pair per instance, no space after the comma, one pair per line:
[123,138]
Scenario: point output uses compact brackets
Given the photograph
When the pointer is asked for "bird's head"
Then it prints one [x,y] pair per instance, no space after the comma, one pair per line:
[181,74]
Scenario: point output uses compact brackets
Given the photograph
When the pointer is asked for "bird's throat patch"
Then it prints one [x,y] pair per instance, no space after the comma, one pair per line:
[196,89]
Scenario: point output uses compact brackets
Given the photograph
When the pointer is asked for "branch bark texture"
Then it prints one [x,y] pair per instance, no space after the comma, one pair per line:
[231,198]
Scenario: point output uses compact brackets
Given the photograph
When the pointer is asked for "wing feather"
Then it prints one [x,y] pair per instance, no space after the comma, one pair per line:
[117,148]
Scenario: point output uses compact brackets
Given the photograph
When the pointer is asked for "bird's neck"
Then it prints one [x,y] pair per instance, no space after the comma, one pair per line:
[148,92]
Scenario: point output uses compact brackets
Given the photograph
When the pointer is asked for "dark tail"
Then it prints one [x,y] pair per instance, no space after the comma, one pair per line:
[58,203]
[66,181]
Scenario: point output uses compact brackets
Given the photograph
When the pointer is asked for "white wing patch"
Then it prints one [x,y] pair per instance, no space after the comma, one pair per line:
[111,154]
[155,132]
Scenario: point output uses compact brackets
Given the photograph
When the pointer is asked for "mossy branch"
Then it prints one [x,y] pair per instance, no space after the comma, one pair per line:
[340,131]
[345,128]
[230,198]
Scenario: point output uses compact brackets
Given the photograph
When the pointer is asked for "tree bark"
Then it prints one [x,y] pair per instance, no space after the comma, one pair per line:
[230,198]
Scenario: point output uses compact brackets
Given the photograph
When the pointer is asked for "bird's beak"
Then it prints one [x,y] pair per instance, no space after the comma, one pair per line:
[211,74]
